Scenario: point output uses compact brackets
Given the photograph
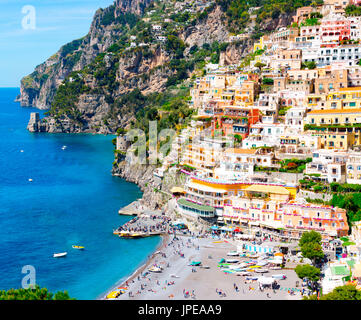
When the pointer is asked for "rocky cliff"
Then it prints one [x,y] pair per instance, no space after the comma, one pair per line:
[156,191]
[38,89]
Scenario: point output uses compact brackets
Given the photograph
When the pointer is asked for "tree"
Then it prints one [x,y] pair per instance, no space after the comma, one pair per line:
[312,251]
[36,293]
[309,272]
[311,236]
[346,292]
[310,244]
[259,65]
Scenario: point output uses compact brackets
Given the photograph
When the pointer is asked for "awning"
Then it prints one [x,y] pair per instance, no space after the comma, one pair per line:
[266,280]
[214,228]
[267,189]
[195,206]
[254,223]
[177,190]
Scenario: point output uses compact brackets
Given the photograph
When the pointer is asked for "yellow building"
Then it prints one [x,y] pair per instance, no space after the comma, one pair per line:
[258,45]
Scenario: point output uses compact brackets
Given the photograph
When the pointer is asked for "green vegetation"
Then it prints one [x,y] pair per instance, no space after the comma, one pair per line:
[310,244]
[346,292]
[351,202]
[294,165]
[267,81]
[307,271]
[283,109]
[33,294]
[309,65]
[66,98]
[352,10]
[70,47]
[238,15]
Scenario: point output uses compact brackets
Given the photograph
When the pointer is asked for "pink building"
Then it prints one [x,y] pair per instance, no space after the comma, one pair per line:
[335,29]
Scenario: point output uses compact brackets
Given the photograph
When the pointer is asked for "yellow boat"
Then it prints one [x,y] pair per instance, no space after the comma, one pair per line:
[78,247]
[113,295]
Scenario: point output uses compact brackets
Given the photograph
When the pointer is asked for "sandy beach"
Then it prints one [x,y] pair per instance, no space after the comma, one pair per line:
[203,284]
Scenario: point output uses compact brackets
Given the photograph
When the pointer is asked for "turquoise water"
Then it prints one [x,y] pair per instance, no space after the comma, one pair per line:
[73,199]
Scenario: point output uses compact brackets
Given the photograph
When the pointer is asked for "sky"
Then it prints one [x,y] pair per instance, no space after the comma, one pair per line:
[33,30]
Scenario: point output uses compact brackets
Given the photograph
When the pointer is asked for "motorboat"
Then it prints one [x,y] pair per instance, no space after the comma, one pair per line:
[233,253]
[155,269]
[60,255]
[64,147]
[261,270]
[78,247]
[30,180]
[232,260]
[174,276]
[243,273]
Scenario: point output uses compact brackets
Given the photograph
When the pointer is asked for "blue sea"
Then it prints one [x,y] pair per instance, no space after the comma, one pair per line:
[72,200]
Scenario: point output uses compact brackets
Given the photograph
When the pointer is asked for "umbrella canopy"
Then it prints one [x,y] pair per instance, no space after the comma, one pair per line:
[265,280]
[278,254]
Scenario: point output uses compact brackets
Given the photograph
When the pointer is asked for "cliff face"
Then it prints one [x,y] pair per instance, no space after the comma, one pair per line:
[38,89]
[156,191]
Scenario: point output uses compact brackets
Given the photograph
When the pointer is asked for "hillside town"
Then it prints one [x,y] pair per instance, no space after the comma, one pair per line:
[277,136]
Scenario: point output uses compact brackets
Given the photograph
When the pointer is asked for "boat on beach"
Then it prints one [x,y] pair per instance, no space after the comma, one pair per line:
[261,270]
[232,260]
[233,253]
[155,269]
[60,255]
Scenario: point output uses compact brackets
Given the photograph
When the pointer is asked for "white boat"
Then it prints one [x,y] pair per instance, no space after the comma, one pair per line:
[60,255]
[279,276]
[233,253]
[64,147]
[243,273]
[155,269]
[30,180]
[261,270]
[174,276]
[232,260]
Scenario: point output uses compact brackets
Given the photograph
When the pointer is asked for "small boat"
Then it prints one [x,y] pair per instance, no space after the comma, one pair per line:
[30,180]
[205,267]
[261,270]
[279,276]
[64,147]
[195,263]
[232,260]
[174,276]
[155,269]
[60,255]
[21,150]
[243,273]
[233,253]
[78,247]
